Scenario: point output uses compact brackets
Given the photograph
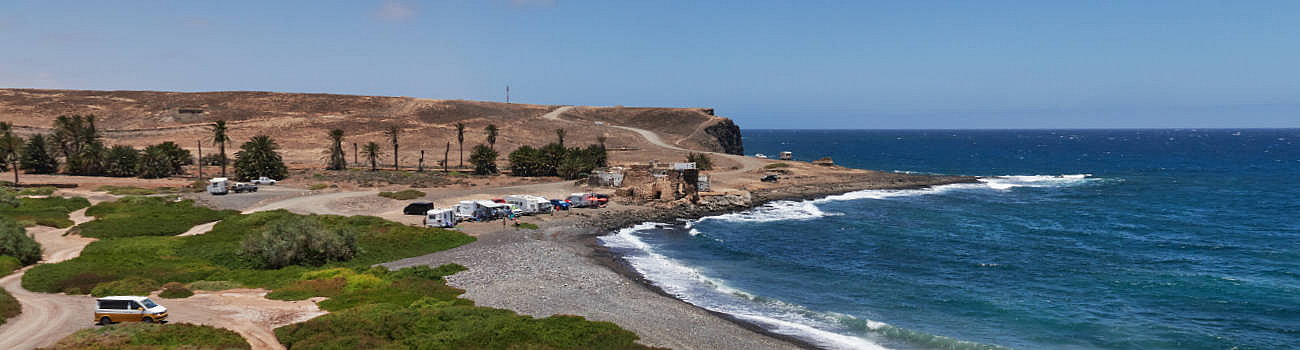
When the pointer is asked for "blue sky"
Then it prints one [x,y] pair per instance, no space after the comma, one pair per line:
[766,64]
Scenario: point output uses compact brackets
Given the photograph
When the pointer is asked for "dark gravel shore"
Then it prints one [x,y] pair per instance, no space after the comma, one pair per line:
[562,269]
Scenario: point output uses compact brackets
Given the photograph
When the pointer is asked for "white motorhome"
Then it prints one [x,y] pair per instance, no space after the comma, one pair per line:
[529,204]
[219,185]
[468,210]
[787,155]
[445,217]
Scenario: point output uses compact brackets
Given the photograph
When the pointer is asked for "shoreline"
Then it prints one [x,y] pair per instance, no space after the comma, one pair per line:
[561,269]
[603,256]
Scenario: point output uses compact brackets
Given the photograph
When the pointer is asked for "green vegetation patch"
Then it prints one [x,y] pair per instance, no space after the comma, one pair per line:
[9,306]
[9,264]
[131,285]
[413,308]
[49,211]
[147,216]
[215,256]
[16,247]
[402,195]
[212,285]
[318,187]
[37,191]
[148,336]
[528,226]
[776,166]
[173,290]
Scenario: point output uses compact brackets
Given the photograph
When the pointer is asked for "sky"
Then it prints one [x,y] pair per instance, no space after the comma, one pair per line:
[766,64]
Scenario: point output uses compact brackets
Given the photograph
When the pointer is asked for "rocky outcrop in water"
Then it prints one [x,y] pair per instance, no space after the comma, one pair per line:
[728,135]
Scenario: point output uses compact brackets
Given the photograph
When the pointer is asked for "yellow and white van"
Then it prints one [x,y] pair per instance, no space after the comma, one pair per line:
[109,310]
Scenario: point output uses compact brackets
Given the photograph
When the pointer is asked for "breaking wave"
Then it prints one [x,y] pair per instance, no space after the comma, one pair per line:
[827,330]
[807,209]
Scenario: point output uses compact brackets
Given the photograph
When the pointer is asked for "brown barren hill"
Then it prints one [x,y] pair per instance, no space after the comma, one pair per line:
[299,122]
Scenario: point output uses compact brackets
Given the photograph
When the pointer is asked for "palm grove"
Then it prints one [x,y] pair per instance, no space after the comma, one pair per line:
[76,146]
[553,159]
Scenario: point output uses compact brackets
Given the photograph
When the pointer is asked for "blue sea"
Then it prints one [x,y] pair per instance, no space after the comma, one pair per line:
[1073,239]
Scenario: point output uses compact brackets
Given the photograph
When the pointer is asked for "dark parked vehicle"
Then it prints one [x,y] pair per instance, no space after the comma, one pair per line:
[245,187]
[770,178]
[560,204]
[417,208]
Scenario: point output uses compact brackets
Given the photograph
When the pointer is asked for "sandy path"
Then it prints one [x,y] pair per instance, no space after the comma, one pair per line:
[245,311]
[46,318]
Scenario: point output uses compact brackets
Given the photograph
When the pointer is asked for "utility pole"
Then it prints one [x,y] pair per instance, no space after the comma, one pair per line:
[200,143]
[420,168]
[354,155]
[507,94]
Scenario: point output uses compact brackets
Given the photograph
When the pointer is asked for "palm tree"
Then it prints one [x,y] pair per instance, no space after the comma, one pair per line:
[220,138]
[338,161]
[10,148]
[560,133]
[460,141]
[392,132]
[491,136]
[372,152]
[258,157]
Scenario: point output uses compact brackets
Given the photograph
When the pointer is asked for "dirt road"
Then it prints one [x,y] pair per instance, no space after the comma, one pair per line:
[46,318]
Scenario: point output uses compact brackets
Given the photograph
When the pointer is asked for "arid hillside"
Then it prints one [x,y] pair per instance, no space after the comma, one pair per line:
[299,122]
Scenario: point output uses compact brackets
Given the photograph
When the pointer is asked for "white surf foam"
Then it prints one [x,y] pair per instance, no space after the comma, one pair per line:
[775,211]
[700,290]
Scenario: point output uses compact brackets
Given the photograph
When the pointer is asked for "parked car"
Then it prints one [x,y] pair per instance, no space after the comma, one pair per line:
[602,199]
[245,187]
[560,204]
[264,181]
[417,208]
[770,178]
[498,200]
[114,309]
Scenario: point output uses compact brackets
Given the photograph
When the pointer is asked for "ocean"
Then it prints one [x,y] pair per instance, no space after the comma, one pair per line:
[1075,239]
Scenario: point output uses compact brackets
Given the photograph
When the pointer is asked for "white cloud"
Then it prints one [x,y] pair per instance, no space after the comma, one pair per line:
[395,11]
[532,3]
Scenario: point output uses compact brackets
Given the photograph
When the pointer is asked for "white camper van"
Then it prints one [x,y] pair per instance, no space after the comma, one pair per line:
[445,217]
[529,204]
[219,185]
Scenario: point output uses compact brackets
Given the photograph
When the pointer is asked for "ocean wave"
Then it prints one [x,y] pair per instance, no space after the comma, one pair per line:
[808,209]
[775,211]
[826,330]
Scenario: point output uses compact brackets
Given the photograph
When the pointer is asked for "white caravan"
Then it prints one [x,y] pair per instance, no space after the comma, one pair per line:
[219,185]
[529,204]
[445,217]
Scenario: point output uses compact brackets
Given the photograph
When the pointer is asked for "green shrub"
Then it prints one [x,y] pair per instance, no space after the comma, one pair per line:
[15,243]
[149,336]
[317,187]
[776,166]
[9,307]
[402,195]
[528,226]
[147,216]
[130,285]
[701,160]
[175,290]
[299,240]
[49,211]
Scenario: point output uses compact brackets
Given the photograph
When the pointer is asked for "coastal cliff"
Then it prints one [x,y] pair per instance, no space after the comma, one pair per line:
[728,135]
